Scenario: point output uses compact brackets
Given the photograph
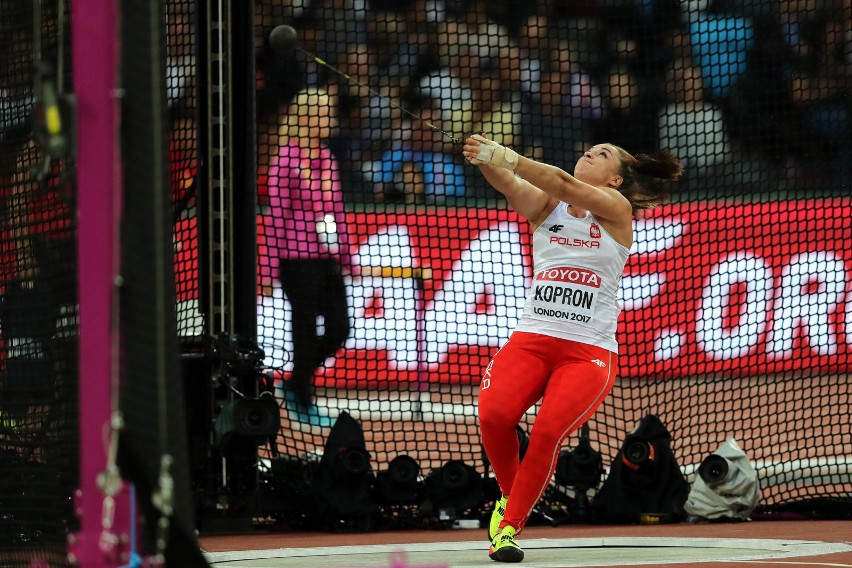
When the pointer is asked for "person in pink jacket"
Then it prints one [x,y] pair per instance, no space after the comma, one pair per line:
[305,233]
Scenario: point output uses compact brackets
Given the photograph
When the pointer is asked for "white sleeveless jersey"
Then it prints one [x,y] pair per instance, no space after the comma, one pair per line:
[577,268]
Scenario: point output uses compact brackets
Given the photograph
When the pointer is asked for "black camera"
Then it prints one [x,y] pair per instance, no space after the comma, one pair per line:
[637,451]
[246,423]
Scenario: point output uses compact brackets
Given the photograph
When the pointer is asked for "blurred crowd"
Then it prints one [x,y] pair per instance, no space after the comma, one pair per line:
[744,92]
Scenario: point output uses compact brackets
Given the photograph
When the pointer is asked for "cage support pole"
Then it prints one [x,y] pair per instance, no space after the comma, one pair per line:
[95,48]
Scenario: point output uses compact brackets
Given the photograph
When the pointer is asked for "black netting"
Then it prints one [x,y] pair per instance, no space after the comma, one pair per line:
[182,95]
[158,152]
[390,272]
[38,313]
[408,272]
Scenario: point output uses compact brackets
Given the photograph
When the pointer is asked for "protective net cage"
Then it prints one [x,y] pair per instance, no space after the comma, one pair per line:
[389,272]
[38,313]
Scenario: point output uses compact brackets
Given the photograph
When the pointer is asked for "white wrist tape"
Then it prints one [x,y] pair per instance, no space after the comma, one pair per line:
[491,152]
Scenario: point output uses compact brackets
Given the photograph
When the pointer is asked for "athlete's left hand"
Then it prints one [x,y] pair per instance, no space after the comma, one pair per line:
[480,150]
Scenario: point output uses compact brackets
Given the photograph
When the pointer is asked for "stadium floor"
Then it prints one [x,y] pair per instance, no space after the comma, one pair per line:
[755,543]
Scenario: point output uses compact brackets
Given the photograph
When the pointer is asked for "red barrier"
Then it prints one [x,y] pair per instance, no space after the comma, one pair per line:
[739,289]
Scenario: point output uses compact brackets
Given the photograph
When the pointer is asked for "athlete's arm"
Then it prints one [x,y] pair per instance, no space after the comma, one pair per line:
[524,198]
[605,203]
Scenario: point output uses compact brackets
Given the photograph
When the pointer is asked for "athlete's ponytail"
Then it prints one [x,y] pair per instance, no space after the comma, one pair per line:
[647,178]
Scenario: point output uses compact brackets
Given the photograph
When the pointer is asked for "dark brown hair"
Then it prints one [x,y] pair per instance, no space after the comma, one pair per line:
[647,178]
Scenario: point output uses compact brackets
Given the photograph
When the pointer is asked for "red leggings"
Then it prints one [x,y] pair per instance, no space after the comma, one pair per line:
[572,379]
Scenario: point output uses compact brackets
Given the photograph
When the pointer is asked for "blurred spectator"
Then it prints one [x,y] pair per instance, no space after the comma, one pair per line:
[181,38]
[451,83]
[369,114]
[408,185]
[392,48]
[342,23]
[691,127]
[528,61]
[821,76]
[497,111]
[792,104]
[759,109]
[481,31]
[16,85]
[645,24]
[477,56]
[38,284]
[629,117]
[533,50]
[581,26]
[560,122]
[691,9]
[421,18]
[420,171]
[420,15]
[471,45]
[291,9]
[183,157]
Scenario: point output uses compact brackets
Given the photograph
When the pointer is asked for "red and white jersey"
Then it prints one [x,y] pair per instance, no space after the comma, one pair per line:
[577,268]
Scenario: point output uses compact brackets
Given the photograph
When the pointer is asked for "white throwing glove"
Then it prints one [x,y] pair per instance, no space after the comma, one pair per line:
[491,152]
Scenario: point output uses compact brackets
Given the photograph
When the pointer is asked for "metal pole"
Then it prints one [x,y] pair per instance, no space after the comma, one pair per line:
[95,49]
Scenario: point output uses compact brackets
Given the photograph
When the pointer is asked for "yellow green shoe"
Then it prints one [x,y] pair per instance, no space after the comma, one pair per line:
[504,548]
[497,517]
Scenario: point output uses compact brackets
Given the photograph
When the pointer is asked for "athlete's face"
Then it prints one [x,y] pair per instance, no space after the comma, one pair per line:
[599,166]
